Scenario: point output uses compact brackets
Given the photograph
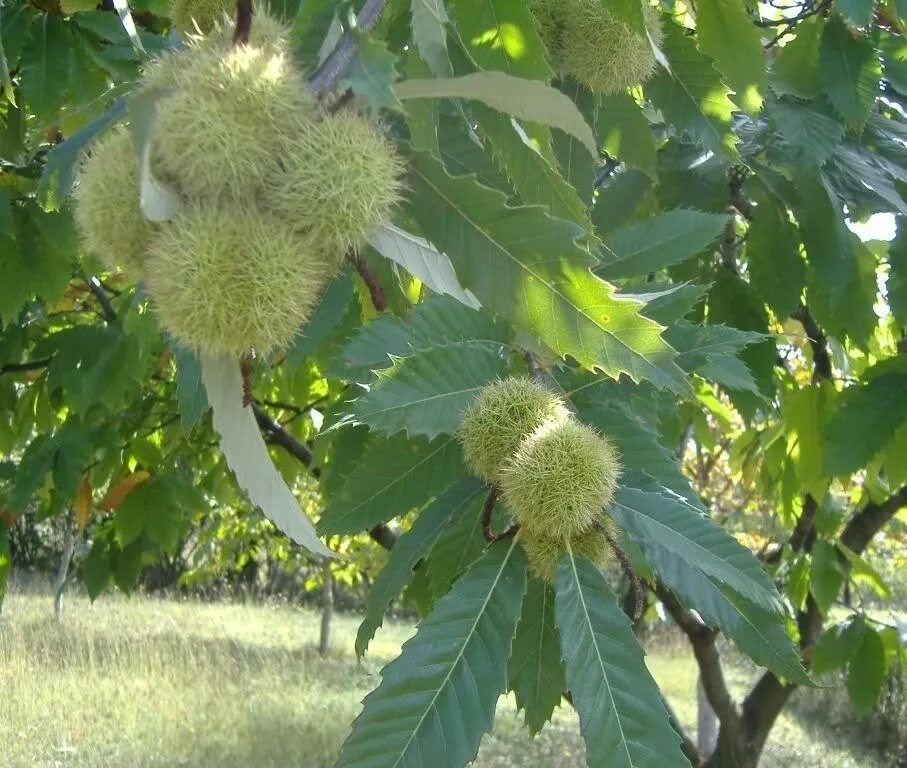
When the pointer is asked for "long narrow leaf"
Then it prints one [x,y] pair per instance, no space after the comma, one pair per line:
[247,454]
[411,547]
[671,531]
[621,715]
[437,699]
[536,672]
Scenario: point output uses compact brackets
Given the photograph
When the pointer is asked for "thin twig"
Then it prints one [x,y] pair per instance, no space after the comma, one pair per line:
[29,365]
[94,285]
[246,369]
[487,510]
[535,370]
[817,340]
[379,300]
[634,587]
[339,60]
[243,28]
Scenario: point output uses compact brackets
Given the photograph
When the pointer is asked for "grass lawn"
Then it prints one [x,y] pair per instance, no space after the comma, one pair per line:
[138,682]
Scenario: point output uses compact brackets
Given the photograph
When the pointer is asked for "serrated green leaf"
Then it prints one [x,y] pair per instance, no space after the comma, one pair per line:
[526,266]
[436,321]
[670,530]
[74,452]
[94,366]
[133,513]
[46,67]
[805,413]
[658,242]
[372,74]
[758,633]
[837,645]
[897,276]
[437,699]
[674,303]
[459,546]
[334,305]
[692,95]
[310,28]
[622,718]
[38,261]
[426,393]
[620,201]
[894,60]
[859,12]
[7,224]
[190,391]
[525,99]
[15,31]
[860,175]
[811,135]
[9,93]
[58,173]
[246,454]
[797,585]
[535,671]
[866,673]
[94,570]
[410,548]
[417,256]
[777,271]
[712,352]
[392,477]
[825,575]
[850,71]
[829,244]
[726,33]
[858,323]
[623,131]
[501,34]
[535,180]
[430,20]
[861,572]
[866,420]
[796,68]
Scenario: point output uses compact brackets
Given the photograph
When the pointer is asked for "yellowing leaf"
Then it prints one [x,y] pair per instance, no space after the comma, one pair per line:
[118,492]
[82,506]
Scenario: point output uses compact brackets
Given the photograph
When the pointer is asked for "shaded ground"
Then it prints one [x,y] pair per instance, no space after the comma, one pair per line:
[143,683]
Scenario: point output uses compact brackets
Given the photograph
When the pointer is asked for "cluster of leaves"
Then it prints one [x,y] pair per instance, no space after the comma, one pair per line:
[674,259]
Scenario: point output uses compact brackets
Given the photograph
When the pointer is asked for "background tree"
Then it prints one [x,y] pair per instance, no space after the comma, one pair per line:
[667,248]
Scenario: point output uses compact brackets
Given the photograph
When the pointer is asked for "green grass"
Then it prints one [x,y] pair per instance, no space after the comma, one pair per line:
[138,682]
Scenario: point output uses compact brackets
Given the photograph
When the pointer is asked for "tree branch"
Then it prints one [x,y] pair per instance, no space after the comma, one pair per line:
[94,285]
[29,365]
[379,300]
[277,435]
[817,340]
[866,523]
[383,535]
[339,60]
[702,639]
[243,26]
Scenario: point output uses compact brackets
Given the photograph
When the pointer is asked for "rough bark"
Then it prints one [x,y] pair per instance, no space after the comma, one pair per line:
[327,607]
[69,545]
[707,722]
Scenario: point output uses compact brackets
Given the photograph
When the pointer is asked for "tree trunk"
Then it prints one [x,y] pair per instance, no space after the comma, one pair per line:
[706,724]
[327,607]
[69,545]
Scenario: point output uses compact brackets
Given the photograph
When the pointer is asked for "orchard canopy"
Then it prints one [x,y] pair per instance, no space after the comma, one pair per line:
[508,278]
